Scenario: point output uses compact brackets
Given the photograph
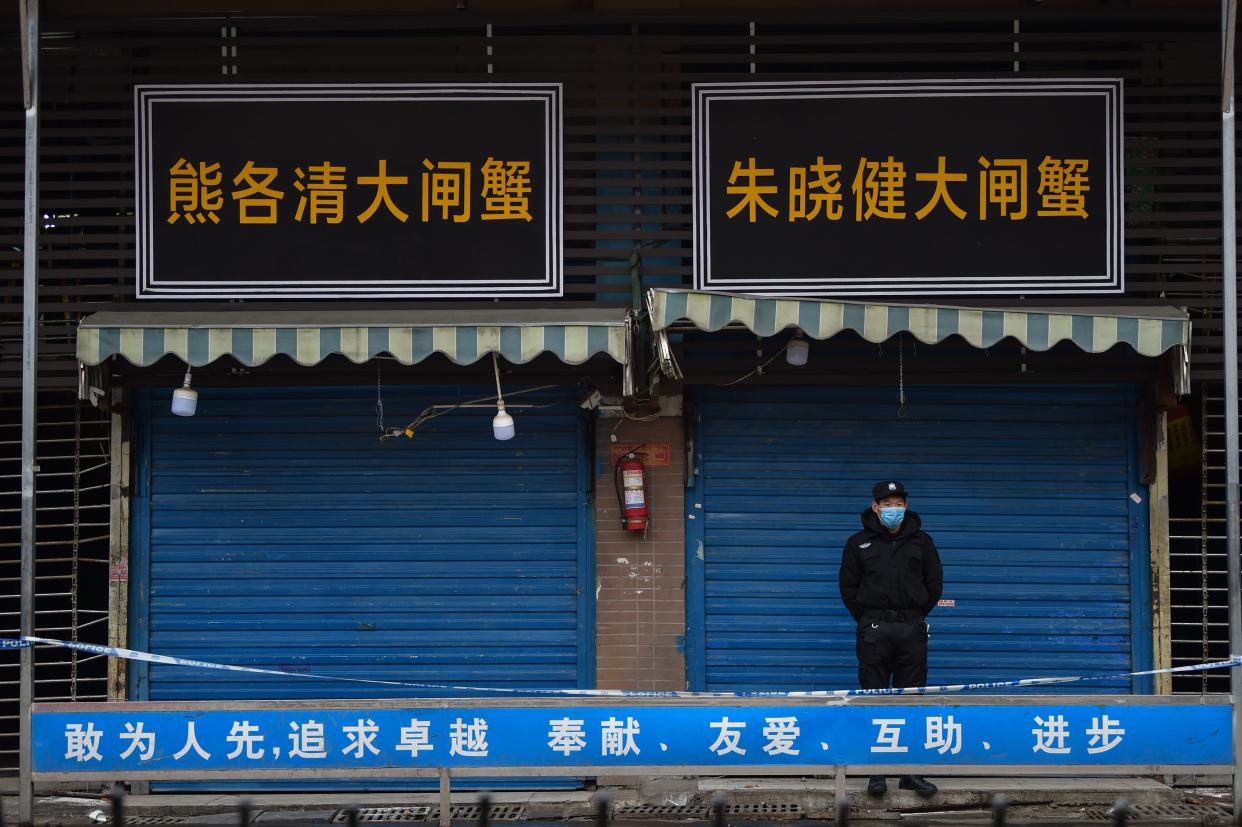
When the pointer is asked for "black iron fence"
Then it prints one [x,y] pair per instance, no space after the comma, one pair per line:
[717,812]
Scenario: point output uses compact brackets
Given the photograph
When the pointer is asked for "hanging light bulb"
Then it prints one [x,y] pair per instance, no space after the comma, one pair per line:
[798,350]
[502,423]
[185,398]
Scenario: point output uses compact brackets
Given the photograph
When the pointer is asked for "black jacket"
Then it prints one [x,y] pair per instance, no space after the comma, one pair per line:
[883,571]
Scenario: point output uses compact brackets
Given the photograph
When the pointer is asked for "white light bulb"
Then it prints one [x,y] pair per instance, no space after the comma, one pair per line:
[502,424]
[798,351]
[185,401]
[185,398]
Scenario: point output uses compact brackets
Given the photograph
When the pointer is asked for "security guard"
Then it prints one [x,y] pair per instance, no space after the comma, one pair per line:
[891,579]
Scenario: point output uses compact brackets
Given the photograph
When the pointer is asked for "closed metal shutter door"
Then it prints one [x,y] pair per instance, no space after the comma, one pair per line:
[278,532]
[1027,492]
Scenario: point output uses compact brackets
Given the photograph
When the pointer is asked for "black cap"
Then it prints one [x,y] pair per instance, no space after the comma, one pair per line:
[888,488]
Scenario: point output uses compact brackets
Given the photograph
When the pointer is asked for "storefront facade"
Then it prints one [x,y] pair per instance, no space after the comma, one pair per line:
[1026,491]
[276,528]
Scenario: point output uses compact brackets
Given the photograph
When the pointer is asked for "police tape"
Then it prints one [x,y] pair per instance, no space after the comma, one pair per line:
[168,660]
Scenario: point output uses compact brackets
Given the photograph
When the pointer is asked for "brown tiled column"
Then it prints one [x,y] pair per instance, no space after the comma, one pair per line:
[640,597]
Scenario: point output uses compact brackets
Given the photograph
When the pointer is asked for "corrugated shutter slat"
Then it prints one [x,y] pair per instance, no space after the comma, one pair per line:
[283,534]
[1024,489]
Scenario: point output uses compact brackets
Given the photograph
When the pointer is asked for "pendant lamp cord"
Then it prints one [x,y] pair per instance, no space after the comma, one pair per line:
[500,401]
[901,376]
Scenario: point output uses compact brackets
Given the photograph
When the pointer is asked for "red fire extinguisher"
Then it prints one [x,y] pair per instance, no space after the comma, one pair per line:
[631,492]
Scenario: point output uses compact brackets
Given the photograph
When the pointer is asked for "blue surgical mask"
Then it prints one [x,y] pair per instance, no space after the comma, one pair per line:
[892,516]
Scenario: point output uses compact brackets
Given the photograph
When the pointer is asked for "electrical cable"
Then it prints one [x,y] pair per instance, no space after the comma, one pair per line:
[627,416]
[379,398]
[429,413]
[758,369]
[500,398]
[901,377]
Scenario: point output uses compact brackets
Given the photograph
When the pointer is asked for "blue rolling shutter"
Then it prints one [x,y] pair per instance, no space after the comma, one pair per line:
[274,529]
[1027,492]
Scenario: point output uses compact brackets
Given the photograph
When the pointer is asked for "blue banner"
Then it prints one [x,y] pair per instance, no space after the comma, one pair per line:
[134,738]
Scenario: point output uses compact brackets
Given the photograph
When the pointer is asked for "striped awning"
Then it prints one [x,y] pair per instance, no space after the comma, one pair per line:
[1150,331]
[252,337]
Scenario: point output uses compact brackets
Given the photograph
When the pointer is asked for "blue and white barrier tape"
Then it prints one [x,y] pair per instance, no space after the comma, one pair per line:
[148,657]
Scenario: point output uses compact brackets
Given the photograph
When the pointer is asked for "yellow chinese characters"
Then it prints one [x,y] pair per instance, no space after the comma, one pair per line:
[194,193]
[323,191]
[506,190]
[880,190]
[823,192]
[382,181]
[941,193]
[1002,184]
[1063,185]
[447,185]
[750,189]
[256,200]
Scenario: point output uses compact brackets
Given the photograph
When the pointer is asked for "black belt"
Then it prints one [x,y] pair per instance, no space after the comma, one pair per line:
[893,615]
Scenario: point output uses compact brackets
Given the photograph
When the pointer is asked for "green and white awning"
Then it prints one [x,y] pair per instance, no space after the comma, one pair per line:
[1150,331]
[410,336]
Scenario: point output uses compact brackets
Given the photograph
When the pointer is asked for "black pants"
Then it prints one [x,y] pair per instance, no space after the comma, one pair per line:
[892,653]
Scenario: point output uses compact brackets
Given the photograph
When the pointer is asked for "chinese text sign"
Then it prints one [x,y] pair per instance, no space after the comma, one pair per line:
[922,187]
[322,191]
[553,737]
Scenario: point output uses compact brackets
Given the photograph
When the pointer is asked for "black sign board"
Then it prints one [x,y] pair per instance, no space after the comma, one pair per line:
[323,191]
[908,187]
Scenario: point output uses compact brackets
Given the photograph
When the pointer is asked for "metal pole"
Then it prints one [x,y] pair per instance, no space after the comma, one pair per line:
[30,342]
[1229,260]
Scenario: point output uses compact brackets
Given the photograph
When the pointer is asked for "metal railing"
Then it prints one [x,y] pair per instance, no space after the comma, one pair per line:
[1197,557]
[244,814]
[71,560]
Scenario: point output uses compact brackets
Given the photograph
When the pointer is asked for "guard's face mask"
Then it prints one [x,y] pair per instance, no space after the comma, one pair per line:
[892,516]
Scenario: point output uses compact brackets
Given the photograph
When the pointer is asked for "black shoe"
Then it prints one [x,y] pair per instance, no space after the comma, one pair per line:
[877,785]
[921,786]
